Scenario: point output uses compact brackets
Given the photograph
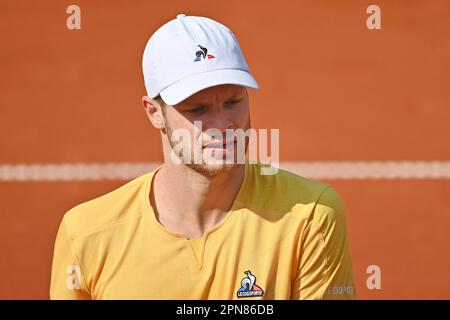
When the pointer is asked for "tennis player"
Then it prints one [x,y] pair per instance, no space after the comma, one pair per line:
[204,229]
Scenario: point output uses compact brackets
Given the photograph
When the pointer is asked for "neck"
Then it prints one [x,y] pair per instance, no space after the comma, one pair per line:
[188,202]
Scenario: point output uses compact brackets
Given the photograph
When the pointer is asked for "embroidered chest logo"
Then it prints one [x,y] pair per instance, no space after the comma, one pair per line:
[249,287]
[202,54]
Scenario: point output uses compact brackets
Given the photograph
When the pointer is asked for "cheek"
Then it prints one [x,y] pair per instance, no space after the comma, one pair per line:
[181,127]
[242,117]
[176,121]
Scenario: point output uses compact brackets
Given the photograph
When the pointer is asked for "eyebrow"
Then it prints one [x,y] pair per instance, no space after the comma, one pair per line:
[235,96]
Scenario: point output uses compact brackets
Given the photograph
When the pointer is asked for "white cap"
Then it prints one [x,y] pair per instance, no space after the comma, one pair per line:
[189,54]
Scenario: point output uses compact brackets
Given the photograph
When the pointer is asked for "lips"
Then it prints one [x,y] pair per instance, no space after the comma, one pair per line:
[219,145]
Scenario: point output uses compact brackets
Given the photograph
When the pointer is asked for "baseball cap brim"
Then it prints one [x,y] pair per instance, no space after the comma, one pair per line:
[184,88]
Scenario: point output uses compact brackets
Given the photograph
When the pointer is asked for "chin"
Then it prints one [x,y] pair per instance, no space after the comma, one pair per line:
[212,170]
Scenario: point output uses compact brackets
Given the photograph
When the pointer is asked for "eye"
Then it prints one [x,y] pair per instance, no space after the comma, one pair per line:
[232,102]
[198,109]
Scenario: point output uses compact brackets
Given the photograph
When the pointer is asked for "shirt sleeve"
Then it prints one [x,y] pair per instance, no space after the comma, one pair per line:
[67,279]
[324,268]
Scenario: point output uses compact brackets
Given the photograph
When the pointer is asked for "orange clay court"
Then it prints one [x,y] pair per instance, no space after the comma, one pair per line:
[336,90]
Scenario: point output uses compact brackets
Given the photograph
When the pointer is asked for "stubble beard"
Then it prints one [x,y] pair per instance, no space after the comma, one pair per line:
[203,168]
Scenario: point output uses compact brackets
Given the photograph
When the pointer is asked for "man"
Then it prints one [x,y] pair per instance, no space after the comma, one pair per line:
[197,229]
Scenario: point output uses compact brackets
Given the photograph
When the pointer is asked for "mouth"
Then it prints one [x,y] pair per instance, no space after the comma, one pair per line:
[221,146]
[221,150]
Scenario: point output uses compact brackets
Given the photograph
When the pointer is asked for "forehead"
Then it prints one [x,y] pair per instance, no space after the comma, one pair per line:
[220,92]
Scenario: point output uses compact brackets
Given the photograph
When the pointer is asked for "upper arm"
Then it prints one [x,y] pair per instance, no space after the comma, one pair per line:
[67,279]
[325,265]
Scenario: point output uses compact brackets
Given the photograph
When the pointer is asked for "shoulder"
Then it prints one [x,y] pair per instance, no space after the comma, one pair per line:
[329,212]
[292,201]
[117,206]
[282,189]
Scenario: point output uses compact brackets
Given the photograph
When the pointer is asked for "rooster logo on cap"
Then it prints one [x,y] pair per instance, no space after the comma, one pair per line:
[202,53]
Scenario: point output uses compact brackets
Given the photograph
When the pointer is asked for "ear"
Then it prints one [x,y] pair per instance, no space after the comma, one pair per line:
[154,112]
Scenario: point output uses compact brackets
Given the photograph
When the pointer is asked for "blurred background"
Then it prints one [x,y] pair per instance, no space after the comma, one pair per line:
[366,110]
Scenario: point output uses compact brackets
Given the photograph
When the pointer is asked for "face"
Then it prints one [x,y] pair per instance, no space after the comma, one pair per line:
[206,116]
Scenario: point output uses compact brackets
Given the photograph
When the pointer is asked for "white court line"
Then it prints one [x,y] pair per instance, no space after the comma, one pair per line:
[335,170]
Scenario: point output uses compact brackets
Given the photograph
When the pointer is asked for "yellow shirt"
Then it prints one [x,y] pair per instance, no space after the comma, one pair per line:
[284,238]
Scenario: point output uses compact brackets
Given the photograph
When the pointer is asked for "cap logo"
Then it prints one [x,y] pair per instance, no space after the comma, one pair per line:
[202,54]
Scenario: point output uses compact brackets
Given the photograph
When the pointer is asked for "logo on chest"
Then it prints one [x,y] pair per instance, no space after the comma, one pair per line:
[249,288]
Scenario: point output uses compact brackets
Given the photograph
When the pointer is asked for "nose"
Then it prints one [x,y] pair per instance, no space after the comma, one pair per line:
[219,120]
